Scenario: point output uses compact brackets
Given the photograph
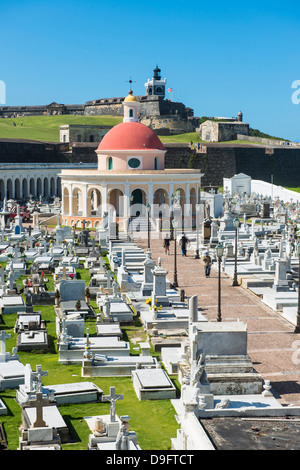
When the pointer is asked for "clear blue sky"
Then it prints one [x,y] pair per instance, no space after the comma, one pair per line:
[219,57]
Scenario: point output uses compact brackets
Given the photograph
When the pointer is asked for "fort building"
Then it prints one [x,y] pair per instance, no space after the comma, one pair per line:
[223,129]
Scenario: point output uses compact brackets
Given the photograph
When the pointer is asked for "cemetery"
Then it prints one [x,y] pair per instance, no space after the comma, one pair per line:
[100,316]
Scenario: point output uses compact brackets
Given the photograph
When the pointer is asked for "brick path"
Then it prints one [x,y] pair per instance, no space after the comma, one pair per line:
[270,337]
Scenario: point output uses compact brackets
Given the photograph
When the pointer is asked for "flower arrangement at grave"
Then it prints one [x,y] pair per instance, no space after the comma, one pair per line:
[148,301]
[71,275]
[78,305]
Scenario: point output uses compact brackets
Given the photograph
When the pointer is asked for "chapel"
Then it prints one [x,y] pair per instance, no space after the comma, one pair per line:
[130,177]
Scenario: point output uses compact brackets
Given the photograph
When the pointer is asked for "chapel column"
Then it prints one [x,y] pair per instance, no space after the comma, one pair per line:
[126,200]
[84,201]
[104,198]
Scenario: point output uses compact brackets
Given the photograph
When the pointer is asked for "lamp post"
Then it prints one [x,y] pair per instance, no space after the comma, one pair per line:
[297,328]
[219,253]
[148,208]
[236,224]
[172,216]
[197,231]
[175,225]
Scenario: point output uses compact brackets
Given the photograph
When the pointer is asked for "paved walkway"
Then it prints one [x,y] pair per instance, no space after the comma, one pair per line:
[272,344]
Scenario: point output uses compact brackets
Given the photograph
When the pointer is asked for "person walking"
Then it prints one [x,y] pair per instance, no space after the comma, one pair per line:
[207,264]
[166,245]
[183,244]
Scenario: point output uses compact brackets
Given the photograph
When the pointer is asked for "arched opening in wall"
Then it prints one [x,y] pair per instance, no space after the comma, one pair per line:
[46,187]
[89,224]
[32,187]
[52,186]
[9,189]
[39,187]
[131,113]
[66,201]
[94,202]
[77,202]
[138,203]
[97,224]
[2,190]
[17,189]
[116,201]
[24,188]
[161,202]
[156,163]
[78,223]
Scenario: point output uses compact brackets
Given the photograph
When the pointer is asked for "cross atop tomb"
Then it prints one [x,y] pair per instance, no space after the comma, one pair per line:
[38,402]
[112,398]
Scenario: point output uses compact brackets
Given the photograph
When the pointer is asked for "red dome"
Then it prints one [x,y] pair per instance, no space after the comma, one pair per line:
[130,136]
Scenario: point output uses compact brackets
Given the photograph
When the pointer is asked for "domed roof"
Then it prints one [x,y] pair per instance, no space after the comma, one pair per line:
[130,97]
[130,136]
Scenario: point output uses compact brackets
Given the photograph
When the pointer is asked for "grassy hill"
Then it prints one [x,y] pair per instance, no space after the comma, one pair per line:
[46,128]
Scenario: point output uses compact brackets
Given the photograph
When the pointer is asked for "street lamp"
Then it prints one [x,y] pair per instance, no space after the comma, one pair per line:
[219,253]
[197,231]
[148,208]
[172,215]
[297,328]
[236,224]
[175,225]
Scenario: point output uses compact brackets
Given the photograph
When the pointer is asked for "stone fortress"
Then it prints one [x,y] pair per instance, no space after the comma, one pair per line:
[157,112]
[216,156]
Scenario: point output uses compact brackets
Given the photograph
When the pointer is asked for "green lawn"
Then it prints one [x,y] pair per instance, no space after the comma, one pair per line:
[46,128]
[297,190]
[181,138]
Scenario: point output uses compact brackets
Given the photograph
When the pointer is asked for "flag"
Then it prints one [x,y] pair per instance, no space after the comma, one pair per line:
[170,89]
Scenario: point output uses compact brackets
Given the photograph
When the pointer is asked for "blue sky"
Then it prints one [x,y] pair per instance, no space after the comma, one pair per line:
[219,57]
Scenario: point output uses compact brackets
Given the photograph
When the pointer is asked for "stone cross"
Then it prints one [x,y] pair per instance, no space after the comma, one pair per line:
[38,402]
[83,224]
[64,271]
[112,398]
